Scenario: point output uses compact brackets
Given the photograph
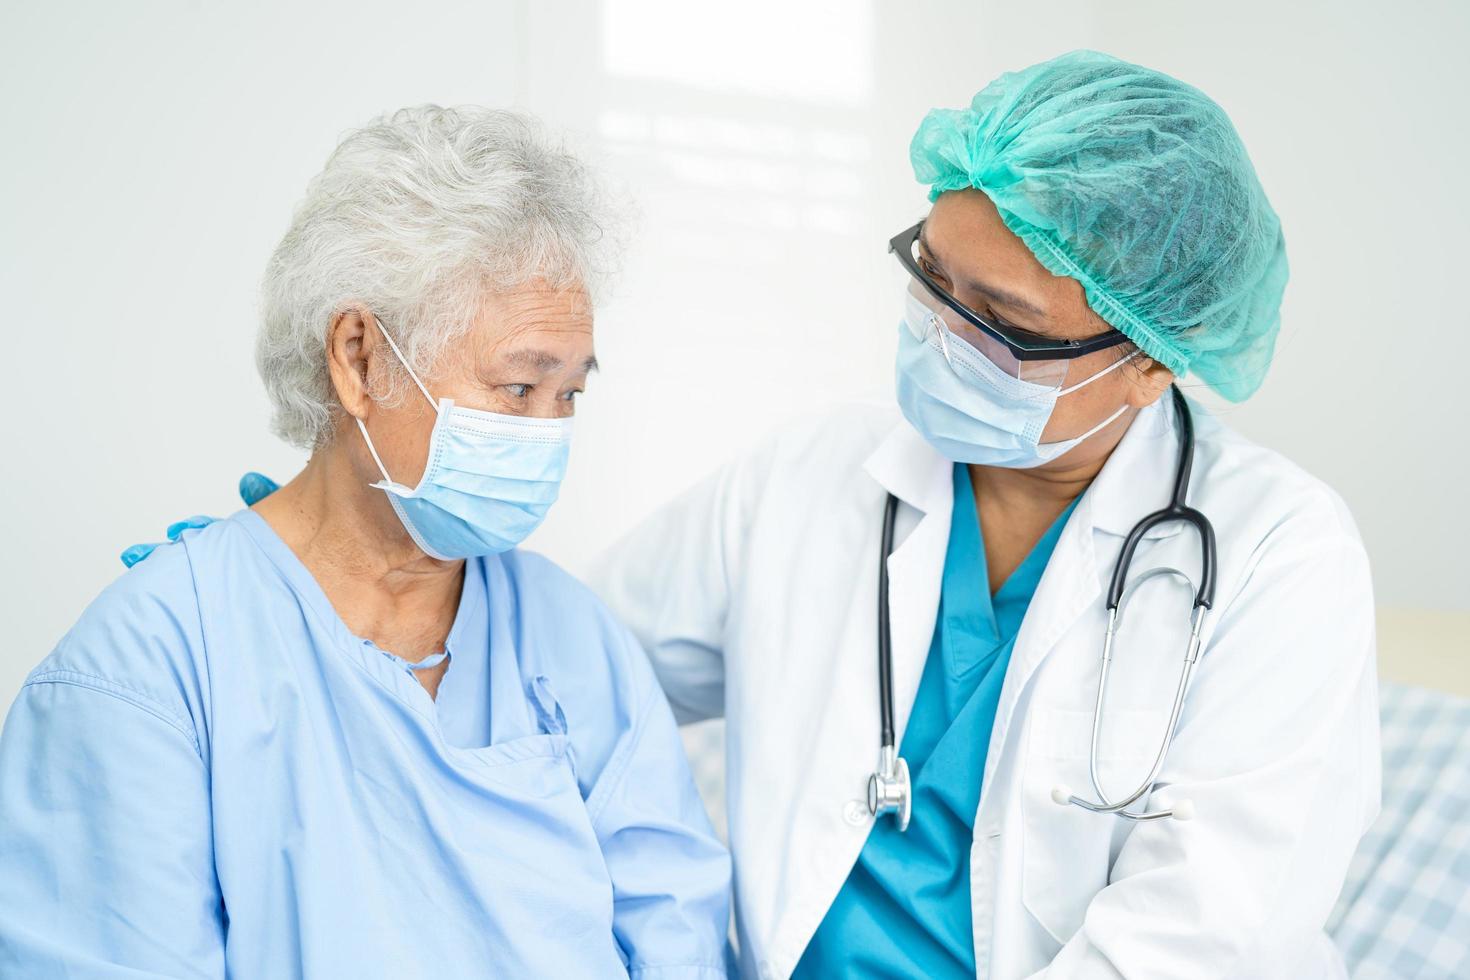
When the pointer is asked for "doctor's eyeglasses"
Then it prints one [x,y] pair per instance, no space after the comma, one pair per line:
[1019,353]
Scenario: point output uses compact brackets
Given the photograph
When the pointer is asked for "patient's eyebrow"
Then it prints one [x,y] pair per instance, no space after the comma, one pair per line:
[1001,296]
[544,361]
[530,357]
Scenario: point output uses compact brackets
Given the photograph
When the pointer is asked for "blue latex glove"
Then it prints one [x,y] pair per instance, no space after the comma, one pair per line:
[254,487]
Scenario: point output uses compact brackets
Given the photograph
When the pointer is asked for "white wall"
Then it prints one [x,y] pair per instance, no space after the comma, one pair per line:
[151,154]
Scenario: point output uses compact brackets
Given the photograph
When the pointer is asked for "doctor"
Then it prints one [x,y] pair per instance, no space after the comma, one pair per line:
[1097,233]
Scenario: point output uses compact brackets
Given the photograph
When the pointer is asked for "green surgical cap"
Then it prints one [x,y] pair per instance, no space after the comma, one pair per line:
[1137,186]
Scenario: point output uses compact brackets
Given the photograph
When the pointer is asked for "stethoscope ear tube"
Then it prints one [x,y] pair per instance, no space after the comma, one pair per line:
[1177,510]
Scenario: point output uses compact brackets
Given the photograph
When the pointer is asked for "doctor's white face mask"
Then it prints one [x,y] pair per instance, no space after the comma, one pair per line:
[968,408]
[488,482]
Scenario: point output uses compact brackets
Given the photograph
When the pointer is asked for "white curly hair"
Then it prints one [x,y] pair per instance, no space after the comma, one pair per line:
[418,216]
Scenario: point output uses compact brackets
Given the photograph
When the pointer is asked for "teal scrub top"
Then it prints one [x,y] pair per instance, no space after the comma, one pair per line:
[905,908]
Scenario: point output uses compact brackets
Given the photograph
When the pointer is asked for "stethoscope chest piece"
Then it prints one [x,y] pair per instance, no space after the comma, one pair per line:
[889,790]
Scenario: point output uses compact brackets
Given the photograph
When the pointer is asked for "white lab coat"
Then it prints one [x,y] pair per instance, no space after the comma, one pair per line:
[755,595]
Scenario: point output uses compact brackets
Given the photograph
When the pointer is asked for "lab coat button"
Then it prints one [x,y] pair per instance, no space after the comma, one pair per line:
[767,972]
[855,812]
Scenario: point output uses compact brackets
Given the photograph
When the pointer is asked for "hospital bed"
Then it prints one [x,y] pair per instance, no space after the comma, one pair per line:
[1404,912]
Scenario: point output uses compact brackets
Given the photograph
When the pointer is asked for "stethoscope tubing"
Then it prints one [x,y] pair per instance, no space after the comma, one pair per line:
[885,631]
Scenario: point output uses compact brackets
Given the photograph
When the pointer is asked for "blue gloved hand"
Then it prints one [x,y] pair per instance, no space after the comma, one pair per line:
[254,487]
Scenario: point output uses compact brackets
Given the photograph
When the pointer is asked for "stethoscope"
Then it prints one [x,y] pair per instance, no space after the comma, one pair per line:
[889,790]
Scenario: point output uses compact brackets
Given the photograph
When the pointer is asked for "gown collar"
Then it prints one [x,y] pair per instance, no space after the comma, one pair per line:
[464,707]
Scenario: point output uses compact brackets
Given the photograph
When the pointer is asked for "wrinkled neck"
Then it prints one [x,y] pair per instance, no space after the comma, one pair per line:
[345,531]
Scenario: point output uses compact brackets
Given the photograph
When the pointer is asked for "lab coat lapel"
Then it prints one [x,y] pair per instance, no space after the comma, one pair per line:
[1136,480]
[910,469]
[1069,586]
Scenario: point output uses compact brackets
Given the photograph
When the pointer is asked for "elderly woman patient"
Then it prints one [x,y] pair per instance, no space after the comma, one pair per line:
[351,731]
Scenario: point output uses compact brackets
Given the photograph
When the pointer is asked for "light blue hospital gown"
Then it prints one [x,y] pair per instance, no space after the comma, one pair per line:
[212,776]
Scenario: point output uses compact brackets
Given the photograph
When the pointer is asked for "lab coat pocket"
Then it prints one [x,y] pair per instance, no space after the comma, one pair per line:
[1067,852]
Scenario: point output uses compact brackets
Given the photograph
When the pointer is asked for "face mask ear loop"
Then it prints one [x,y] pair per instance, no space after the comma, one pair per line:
[1103,424]
[372,449]
[1087,381]
[1076,441]
[404,361]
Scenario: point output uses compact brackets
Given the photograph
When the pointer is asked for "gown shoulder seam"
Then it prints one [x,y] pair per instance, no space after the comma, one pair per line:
[122,692]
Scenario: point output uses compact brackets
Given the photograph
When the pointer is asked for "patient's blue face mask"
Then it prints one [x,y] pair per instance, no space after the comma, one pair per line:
[488,482]
[970,409]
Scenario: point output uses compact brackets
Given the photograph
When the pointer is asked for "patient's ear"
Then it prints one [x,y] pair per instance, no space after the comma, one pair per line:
[349,358]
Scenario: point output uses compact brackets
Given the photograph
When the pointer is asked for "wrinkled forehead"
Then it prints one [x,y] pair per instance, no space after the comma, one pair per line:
[536,326]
